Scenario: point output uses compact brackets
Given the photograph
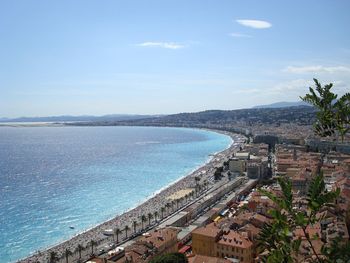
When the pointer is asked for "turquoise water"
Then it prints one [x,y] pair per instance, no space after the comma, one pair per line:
[55,177]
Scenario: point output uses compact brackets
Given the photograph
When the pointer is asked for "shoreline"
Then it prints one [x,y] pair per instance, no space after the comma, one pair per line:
[150,204]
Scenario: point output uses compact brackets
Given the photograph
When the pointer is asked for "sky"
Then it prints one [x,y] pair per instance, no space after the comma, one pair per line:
[168,56]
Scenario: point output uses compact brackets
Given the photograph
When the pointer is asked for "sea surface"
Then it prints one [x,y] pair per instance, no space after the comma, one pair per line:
[52,178]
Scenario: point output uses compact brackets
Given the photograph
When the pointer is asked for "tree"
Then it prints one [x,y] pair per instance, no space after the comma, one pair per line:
[67,253]
[53,257]
[170,258]
[143,219]
[156,214]
[80,249]
[150,216]
[197,179]
[134,224]
[92,243]
[333,116]
[182,200]
[168,205]
[126,229]
[162,210]
[117,232]
[277,237]
[206,183]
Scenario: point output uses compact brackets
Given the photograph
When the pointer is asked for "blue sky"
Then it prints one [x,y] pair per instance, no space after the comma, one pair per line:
[159,57]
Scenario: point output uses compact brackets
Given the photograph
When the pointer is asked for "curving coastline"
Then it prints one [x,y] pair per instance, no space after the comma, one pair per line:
[150,205]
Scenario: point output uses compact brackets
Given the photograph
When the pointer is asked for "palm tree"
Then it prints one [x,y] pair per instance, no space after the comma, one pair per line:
[126,231]
[197,179]
[67,253]
[80,248]
[92,243]
[205,184]
[53,257]
[134,224]
[168,206]
[162,210]
[143,219]
[117,232]
[150,216]
[156,215]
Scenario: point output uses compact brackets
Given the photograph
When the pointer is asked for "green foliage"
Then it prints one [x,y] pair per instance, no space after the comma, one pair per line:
[333,116]
[276,239]
[170,258]
[337,252]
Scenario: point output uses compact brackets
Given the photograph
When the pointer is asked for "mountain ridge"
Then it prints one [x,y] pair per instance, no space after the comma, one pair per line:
[70,118]
[282,104]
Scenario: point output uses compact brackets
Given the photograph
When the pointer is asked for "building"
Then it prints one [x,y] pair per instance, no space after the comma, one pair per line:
[254,170]
[236,166]
[206,259]
[235,245]
[204,240]
[157,242]
[213,241]
[163,240]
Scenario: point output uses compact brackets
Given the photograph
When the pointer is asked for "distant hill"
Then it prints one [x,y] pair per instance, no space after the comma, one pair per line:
[282,104]
[221,118]
[84,118]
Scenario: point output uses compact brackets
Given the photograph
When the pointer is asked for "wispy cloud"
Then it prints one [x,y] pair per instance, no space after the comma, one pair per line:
[239,35]
[316,69]
[257,24]
[297,87]
[168,45]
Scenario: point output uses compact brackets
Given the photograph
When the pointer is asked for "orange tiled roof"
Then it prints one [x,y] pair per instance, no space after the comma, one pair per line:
[311,230]
[235,239]
[210,230]
[160,236]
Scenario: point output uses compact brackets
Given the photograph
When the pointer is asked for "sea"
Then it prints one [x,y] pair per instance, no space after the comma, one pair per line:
[52,178]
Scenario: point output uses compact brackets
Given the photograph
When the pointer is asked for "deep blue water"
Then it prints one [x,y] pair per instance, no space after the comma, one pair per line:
[55,177]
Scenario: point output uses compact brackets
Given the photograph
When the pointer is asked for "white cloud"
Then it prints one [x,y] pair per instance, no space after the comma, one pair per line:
[292,89]
[168,45]
[297,85]
[316,69]
[258,24]
[239,35]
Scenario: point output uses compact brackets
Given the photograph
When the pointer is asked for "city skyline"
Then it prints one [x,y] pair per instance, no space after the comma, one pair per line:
[156,57]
